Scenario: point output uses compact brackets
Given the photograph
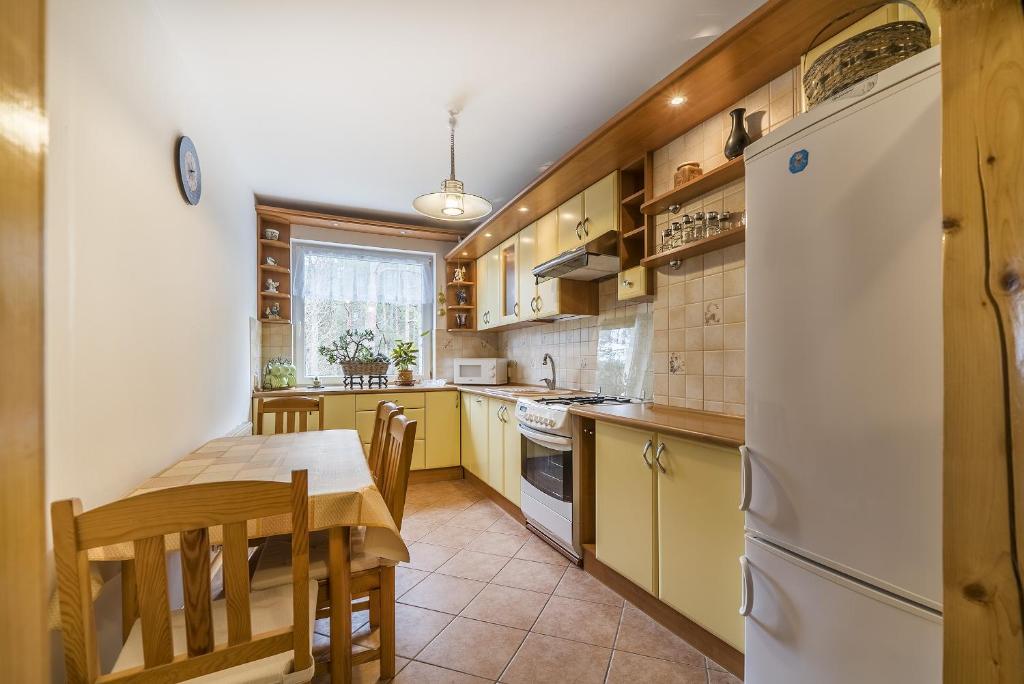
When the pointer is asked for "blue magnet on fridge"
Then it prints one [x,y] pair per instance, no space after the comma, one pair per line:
[798,161]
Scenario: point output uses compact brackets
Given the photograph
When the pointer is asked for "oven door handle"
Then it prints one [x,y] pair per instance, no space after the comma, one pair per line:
[555,442]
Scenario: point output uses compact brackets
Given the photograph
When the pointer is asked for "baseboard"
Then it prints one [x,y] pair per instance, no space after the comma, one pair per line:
[496,496]
[707,643]
[435,475]
[242,430]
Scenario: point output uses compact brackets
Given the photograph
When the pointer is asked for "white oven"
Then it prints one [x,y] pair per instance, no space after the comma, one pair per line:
[489,371]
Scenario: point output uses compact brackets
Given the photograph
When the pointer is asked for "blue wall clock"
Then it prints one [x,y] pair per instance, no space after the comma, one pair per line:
[190,177]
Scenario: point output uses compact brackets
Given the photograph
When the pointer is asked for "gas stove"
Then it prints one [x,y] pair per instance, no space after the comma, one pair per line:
[551,414]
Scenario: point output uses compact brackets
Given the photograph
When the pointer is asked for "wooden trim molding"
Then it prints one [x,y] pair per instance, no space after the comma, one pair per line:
[496,496]
[759,48]
[355,225]
[680,625]
[435,475]
[983,312]
[23,637]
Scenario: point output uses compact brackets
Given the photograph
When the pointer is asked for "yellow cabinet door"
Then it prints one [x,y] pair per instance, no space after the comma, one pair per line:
[601,207]
[625,502]
[496,444]
[481,293]
[508,281]
[469,456]
[364,422]
[488,289]
[513,455]
[570,224]
[632,283]
[442,430]
[339,412]
[547,248]
[700,534]
[527,283]
[475,461]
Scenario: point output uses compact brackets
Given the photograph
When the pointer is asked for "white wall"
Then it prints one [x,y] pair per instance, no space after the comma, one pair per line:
[147,298]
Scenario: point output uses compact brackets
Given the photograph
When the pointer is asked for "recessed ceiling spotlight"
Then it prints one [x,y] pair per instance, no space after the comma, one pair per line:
[677,100]
[524,209]
[334,223]
[545,166]
[404,232]
[487,235]
[465,254]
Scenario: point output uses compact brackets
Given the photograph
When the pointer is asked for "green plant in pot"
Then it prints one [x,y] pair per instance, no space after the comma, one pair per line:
[404,357]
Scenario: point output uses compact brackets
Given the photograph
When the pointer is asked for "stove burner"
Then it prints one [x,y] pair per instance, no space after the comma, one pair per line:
[569,401]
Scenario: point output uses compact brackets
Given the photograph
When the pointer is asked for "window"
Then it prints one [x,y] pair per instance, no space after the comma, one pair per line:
[339,287]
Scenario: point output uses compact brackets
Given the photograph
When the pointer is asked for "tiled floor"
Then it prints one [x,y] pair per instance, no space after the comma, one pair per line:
[484,600]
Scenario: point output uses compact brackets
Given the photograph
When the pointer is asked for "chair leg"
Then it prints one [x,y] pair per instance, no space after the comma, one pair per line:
[386,605]
[341,606]
[374,609]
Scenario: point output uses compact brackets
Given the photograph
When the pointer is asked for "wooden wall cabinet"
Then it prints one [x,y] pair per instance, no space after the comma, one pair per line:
[527,283]
[510,265]
[677,534]
[589,214]
[548,303]
[488,268]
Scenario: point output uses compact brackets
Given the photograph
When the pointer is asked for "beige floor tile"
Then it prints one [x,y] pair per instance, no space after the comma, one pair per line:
[369,673]
[550,660]
[421,673]
[479,516]
[444,593]
[717,677]
[451,536]
[414,530]
[427,557]
[414,629]
[497,543]
[579,584]
[473,565]
[538,550]
[475,647]
[638,633]
[591,623]
[506,524]
[506,606]
[524,574]
[434,517]
[406,579]
[629,668]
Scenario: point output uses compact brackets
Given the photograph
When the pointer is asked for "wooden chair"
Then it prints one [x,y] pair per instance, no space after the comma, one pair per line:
[385,409]
[295,410]
[370,577]
[252,634]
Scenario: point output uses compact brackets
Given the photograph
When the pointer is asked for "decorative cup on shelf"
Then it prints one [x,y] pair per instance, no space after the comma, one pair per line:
[461,320]
[459,274]
[271,233]
[686,173]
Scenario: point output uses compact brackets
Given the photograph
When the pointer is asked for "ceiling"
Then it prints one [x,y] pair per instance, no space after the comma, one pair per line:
[342,106]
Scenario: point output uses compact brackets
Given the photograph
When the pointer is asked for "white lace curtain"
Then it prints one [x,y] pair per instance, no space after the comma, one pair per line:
[338,287]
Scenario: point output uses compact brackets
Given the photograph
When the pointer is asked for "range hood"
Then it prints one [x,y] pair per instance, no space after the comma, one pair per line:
[598,258]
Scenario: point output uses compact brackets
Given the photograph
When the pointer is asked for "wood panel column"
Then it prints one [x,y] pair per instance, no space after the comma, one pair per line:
[23,636]
[983,306]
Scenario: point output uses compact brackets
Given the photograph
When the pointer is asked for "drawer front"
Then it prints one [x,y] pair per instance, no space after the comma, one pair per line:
[632,283]
[368,402]
[364,422]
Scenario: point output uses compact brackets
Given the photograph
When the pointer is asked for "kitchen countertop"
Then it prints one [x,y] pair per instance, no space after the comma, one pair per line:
[338,389]
[680,422]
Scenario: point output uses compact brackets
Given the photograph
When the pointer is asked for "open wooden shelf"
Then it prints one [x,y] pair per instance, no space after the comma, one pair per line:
[636,232]
[731,237]
[701,185]
[275,295]
[460,282]
[461,306]
[274,320]
[275,269]
[274,243]
[636,198]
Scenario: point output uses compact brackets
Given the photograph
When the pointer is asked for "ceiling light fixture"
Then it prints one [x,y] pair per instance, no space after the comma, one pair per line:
[524,209]
[487,235]
[677,100]
[452,203]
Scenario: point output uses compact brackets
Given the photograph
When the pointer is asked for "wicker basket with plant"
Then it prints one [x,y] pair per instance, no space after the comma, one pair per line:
[353,351]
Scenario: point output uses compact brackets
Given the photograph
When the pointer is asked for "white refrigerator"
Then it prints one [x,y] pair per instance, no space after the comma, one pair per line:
[842,469]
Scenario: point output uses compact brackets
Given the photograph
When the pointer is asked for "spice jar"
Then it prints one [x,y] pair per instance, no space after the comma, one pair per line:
[714,226]
[699,226]
[726,220]
[687,228]
[666,239]
[677,234]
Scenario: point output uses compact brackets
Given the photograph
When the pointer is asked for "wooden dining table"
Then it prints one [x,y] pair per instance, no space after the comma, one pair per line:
[342,495]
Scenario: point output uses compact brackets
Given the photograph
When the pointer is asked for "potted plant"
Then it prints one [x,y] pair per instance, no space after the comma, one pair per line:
[404,358]
[353,351]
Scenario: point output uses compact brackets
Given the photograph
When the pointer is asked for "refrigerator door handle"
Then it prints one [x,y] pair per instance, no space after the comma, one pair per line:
[747,588]
[744,478]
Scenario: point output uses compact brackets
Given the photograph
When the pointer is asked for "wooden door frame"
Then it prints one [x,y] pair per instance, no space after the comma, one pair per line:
[23,575]
[983,308]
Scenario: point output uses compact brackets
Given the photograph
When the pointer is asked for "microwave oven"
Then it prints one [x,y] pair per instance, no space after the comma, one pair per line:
[481,371]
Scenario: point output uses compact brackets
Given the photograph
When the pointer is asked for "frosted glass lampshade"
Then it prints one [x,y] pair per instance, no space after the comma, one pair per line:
[452,204]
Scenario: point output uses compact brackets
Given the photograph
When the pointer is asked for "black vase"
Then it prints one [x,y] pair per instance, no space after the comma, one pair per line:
[738,138]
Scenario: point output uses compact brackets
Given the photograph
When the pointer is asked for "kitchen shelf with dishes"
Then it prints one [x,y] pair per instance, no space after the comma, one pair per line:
[460,296]
[701,185]
[273,271]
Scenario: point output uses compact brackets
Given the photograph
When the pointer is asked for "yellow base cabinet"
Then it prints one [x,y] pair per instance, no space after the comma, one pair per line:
[513,457]
[442,429]
[496,410]
[339,414]
[700,535]
[624,503]
[474,434]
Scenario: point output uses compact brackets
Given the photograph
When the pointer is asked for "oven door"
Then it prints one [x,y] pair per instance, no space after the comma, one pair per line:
[547,463]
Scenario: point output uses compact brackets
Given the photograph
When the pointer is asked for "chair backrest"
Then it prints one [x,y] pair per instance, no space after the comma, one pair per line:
[189,511]
[290,413]
[385,409]
[396,462]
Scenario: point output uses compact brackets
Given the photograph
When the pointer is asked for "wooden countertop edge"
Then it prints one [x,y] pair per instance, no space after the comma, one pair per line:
[338,389]
[671,420]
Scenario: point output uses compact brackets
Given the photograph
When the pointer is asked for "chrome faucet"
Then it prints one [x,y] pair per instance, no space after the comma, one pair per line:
[552,381]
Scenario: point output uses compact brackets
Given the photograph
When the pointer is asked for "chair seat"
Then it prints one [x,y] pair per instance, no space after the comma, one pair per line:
[270,609]
[274,567]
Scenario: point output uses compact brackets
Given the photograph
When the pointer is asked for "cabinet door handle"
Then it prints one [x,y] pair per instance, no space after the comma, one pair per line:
[457,402]
[747,588]
[643,454]
[627,283]
[540,306]
[515,309]
[579,229]
[501,412]
[745,491]
[657,456]
[586,231]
